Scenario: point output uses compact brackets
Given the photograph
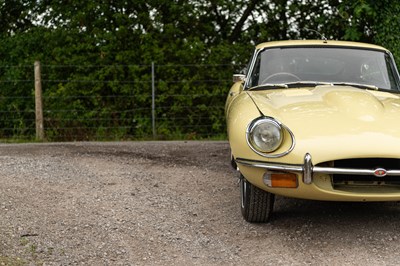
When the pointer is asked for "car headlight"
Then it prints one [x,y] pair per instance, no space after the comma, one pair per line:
[264,135]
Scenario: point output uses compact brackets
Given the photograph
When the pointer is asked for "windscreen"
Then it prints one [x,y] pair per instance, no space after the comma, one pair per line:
[324,64]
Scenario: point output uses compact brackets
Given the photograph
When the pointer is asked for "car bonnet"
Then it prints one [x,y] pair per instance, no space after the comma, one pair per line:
[331,109]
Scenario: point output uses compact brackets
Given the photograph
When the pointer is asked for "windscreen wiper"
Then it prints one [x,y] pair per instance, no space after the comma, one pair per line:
[357,85]
[302,83]
[307,83]
[269,86]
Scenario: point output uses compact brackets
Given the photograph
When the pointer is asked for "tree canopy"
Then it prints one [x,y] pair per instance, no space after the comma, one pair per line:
[114,41]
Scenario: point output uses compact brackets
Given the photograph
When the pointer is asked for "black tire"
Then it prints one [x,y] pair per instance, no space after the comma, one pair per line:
[256,204]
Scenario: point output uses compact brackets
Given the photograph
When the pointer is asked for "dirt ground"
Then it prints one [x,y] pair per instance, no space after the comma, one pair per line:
[169,203]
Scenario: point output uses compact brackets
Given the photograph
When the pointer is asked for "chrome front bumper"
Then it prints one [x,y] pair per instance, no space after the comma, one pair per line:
[307,169]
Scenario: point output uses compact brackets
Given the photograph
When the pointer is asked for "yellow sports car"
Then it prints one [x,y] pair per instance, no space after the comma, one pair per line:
[315,120]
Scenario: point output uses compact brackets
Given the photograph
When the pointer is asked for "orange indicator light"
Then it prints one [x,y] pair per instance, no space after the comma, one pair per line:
[280,180]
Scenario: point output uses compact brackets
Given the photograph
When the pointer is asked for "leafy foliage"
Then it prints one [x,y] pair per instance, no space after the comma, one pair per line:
[97,57]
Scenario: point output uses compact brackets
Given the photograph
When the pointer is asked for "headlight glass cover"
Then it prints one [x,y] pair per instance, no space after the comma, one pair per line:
[265,135]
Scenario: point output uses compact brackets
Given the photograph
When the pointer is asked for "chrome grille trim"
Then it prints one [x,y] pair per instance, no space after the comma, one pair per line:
[308,169]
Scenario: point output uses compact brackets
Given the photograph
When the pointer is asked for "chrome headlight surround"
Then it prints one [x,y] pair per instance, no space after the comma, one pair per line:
[265,135]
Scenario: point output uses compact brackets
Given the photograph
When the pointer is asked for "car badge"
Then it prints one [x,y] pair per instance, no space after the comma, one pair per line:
[380,172]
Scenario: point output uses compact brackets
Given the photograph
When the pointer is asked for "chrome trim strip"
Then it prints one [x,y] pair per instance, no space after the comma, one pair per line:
[348,171]
[251,66]
[271,166]
[308,169]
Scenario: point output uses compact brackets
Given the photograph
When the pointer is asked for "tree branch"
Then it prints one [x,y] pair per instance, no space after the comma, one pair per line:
[238,28]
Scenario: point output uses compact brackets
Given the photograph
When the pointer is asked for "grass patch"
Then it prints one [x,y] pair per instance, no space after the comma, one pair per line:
[6,261]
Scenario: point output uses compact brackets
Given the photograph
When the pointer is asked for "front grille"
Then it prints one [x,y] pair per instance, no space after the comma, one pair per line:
[365,180]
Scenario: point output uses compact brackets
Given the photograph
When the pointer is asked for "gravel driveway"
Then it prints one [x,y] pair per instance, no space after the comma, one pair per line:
[169,203]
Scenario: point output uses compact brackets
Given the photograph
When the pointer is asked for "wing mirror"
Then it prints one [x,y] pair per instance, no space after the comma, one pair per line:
[238,77]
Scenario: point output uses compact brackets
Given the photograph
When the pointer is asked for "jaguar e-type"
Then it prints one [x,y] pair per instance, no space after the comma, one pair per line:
[315,120]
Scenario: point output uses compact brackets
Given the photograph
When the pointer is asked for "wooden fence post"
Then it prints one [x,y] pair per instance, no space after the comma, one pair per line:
[38,103]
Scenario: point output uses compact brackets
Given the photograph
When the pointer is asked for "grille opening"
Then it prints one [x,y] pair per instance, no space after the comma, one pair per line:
[338,181]
[368,163]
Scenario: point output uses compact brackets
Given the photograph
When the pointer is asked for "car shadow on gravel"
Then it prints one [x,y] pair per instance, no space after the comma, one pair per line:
[325,212]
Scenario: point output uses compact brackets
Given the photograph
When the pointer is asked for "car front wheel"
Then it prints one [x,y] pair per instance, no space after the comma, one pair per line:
[256,204]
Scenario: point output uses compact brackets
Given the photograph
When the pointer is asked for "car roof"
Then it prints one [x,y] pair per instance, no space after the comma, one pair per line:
[319,43]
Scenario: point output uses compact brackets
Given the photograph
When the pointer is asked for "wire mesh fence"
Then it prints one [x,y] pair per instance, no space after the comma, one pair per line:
[116,102]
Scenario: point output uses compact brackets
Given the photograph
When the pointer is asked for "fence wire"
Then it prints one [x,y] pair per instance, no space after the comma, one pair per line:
[115,102]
